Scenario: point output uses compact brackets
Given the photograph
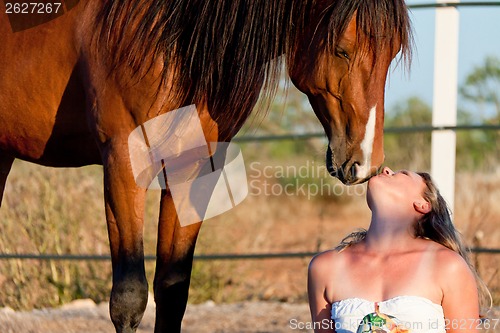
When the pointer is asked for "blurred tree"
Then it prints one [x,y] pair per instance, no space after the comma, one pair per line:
[408,150]
[476,149]
[289,112]
[482,87]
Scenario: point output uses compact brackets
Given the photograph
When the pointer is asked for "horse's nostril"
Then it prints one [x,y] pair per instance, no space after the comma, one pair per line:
[351,174]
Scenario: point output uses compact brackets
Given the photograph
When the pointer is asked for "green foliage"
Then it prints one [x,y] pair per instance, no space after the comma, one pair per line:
[481,149]
[408,150]
[410,113]
[482,86]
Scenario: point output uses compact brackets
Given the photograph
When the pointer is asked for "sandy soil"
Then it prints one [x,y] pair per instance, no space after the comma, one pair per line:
[86,316]
[248,317]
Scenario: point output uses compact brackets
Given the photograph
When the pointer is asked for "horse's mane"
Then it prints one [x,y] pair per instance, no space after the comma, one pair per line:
[224,51]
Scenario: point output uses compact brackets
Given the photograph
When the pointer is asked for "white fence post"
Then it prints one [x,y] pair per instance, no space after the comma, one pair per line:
[445,101]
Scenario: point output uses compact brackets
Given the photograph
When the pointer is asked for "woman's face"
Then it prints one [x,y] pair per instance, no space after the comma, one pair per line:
[400,188]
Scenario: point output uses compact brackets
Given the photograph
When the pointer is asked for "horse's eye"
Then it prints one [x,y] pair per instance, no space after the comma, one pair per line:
[342,54]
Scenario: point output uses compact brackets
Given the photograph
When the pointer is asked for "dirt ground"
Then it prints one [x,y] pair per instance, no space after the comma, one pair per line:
[85,316]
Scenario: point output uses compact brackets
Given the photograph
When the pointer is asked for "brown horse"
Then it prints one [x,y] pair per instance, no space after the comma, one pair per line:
[73,89]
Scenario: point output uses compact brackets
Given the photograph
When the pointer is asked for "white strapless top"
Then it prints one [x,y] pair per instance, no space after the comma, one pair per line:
[415,313]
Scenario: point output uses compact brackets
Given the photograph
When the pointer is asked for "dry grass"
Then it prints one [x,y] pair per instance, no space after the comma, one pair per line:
[61,211]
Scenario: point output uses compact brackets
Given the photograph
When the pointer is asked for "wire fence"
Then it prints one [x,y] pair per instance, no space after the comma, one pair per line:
[388,130]
[258,256]
[201,257]
[455,4]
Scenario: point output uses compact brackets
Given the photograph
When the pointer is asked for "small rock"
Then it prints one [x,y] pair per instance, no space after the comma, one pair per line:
[209,304]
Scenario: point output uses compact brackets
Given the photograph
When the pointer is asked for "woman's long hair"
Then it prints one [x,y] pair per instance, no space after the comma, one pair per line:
[438,227]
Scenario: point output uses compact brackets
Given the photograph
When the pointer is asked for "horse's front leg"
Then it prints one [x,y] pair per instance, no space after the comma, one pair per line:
[125,215]
[174,262]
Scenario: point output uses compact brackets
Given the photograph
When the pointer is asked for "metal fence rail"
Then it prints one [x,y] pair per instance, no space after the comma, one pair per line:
[455,4]
[200,257]
[388,130]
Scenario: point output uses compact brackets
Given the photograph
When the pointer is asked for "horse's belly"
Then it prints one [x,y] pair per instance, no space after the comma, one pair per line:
[51,143]
[43,115]
[70,152]
[47,124]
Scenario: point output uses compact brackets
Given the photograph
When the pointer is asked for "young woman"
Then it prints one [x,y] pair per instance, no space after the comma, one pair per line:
[409,272]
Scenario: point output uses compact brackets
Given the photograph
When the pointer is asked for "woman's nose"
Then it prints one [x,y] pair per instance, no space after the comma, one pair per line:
[387,171]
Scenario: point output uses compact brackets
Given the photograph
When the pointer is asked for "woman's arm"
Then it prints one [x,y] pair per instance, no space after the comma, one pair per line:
[460,296]
[316,289]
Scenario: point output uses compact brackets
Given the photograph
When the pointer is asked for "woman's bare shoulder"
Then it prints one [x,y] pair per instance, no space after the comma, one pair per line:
[449,261]
[325,261]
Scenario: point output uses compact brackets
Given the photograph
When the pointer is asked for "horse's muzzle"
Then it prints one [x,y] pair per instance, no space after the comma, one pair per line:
[347,172]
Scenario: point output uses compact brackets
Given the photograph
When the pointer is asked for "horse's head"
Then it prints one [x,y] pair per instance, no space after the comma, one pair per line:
[342,68]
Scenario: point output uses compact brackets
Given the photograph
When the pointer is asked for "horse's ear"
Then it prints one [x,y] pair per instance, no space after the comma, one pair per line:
[422,206]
